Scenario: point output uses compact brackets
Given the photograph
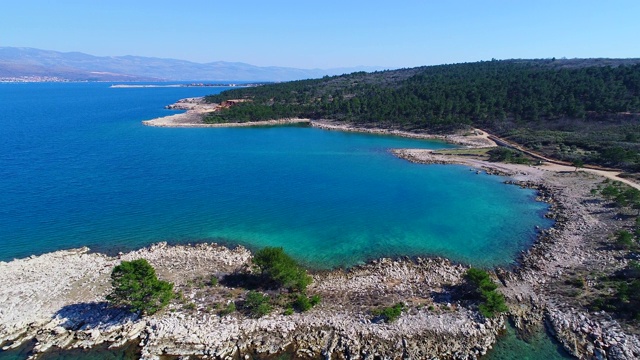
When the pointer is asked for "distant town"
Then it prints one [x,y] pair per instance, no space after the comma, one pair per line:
[36,79]
[186,85]
[31,79]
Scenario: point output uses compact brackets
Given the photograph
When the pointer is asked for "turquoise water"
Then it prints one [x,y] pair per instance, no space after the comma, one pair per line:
[128,352]
[539,347]
[78,168]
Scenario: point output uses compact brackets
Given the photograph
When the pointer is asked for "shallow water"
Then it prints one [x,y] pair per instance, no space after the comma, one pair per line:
[539,347]
[78,168]
[128,352]
[509,346]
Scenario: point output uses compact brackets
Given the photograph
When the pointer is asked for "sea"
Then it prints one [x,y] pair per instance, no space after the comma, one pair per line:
[78,168]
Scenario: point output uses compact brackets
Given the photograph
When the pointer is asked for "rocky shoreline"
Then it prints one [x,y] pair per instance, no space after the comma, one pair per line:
[58,299]
[474,138]
[196,109]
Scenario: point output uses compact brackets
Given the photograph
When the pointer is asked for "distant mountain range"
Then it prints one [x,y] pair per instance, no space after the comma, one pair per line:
[75,66]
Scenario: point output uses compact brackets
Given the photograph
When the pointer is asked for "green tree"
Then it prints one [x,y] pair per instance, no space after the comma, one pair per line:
[136,286]
[624,239]
[610,192]
[485,289]
[578,163]
[493,303]
[281,269]
[258,304]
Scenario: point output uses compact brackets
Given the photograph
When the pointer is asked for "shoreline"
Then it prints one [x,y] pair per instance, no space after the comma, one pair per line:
[82,278]
[58,298]
[196,109]
[474,138]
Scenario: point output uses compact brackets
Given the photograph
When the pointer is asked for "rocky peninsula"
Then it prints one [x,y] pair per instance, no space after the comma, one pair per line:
[195,111]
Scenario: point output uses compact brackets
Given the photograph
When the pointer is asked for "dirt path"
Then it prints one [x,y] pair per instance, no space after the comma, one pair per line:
[558,165]
[613,175]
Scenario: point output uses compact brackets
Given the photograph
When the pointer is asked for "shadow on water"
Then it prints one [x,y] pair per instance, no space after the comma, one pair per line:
[539,346]
[129,351]
[84,316]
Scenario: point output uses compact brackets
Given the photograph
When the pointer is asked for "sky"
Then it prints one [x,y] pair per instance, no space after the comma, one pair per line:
[328,33]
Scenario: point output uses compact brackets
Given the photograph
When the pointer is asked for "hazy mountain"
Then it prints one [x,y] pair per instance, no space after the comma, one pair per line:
[16,62]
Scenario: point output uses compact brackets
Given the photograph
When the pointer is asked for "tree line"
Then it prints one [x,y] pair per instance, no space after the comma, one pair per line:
[544,106]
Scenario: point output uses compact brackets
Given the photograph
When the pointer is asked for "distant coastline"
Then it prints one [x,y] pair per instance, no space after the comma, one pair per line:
[116,86]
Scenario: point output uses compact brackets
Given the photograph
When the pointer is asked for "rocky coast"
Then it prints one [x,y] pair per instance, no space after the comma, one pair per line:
[195,110]
[58,299]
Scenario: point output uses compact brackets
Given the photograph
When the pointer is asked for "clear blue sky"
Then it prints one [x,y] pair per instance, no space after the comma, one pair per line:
[327,33]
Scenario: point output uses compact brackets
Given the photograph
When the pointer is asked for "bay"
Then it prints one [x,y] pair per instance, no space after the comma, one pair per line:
[77,168]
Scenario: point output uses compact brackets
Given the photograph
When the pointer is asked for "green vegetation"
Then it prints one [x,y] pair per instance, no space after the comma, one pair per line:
[257,304]
[625,300]
[562,108]
[624,239]
[502,154]
[288,311]
[389,313]
[279,268]
[620,292]
[303,303]
[485,289]
[230,308]
[578,163]
[136,286]
[623,196]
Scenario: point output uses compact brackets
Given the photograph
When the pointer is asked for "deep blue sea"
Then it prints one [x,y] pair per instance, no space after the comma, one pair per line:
[77,168]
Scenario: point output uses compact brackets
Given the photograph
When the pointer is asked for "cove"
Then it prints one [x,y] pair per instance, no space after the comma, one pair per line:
[77,168]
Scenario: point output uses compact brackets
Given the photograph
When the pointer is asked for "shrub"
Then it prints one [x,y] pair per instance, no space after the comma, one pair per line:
[624,239]
[136,286]
[302,303]
[315,300]
[576,282]
[257,304]
[389,313]
[502,154]
[281,269]
[213,281]
[230,308]
[480,279]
